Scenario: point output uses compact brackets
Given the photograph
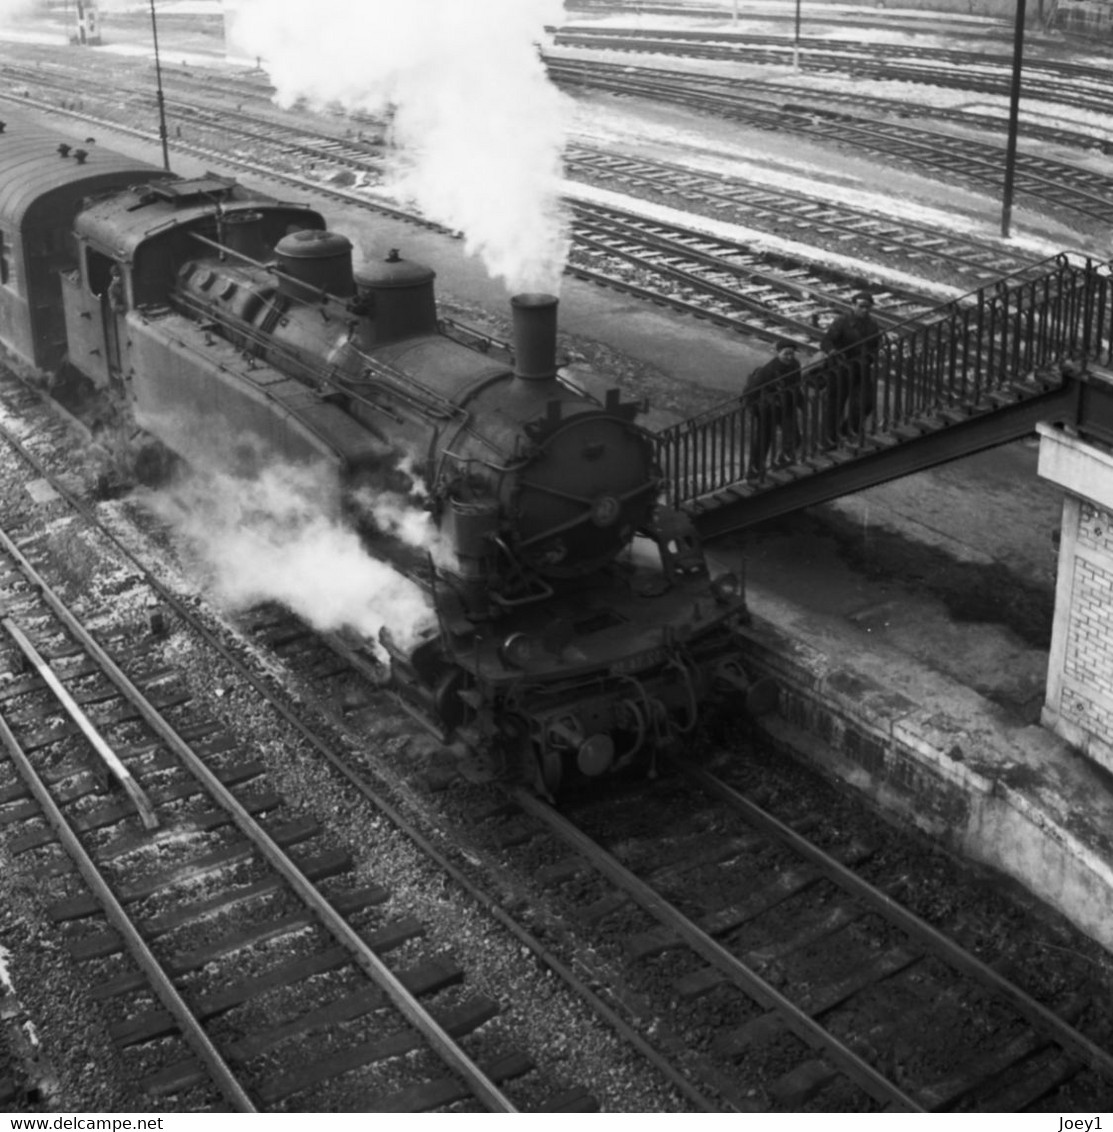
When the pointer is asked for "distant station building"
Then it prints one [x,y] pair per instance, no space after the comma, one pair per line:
[1091,18]
[81,19]
[88,22]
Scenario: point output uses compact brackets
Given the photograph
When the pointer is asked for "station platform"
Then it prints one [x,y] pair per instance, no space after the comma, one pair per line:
[932,716]
[907,625]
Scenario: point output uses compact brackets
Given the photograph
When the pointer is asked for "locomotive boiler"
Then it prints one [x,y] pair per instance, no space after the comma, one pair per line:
[577,630]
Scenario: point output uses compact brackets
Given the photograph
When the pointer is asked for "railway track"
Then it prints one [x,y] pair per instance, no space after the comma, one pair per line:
[1054,184]
[904,109]
[933,23]
[759,294]
[820,98]
[987,73]
[284,909]
[668,965]
[243,957]
[946,76]
[775,974]
[841,228]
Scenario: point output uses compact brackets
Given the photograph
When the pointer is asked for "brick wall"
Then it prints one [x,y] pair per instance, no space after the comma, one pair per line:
[1087,697]
[1079,701]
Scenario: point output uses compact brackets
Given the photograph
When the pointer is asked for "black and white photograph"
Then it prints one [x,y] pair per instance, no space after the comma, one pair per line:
[556,556]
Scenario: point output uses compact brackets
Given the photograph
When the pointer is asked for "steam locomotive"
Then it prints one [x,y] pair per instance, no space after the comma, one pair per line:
[577,628]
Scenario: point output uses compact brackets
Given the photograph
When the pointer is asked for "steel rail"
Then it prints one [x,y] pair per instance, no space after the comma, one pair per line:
[824,102]
[745,304]
[765,334]
[393,814]
[161,984]
[972,70]
[802,1024]
[631,229]
[392,986]
[104,751]
[920,930]
[782,204]
[934,150]
[408,1005]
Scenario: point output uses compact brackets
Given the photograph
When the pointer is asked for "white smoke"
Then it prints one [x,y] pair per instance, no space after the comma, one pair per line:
[12,10]
[279,536]
[393,503]
[398,517]
[477,129]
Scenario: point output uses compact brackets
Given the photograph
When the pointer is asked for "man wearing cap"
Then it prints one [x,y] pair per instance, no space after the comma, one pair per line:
[850,345]
[771,392]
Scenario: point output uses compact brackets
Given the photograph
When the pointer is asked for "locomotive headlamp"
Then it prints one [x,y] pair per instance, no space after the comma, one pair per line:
[554,552]
[605,511]
[519,649]
[595,755]
[726,588]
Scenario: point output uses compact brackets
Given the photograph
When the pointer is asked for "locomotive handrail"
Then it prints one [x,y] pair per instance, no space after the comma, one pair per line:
[967,357]
[586,516]
[378,374]
[400,384]
[324,298]
[406,388]
[471,337]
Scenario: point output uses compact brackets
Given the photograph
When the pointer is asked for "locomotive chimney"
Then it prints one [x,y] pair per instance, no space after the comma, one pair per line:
[534,336]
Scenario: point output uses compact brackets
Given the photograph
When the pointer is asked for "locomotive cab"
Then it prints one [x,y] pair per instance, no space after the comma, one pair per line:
[130,248]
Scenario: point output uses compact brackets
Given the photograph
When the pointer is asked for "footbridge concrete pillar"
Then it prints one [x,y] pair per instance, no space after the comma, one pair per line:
[1079,701]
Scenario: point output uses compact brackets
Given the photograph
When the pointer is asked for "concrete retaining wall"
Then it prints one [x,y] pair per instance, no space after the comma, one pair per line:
[934,754]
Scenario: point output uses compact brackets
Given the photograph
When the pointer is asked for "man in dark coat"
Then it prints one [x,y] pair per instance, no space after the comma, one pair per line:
[850,345]
[771,392]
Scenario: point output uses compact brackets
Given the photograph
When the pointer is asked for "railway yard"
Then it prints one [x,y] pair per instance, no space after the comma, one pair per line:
[264,887]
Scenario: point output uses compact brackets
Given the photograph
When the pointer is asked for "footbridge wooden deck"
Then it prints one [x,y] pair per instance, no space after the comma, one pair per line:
[979,372]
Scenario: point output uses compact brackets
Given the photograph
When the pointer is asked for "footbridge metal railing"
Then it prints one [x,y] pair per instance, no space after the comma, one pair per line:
[973,356]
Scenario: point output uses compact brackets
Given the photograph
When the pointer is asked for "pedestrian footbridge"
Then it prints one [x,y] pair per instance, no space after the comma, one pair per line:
[978,372]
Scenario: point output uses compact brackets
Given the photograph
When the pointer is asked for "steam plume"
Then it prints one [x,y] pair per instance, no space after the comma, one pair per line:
[11,10]
[278,536]
[477,129]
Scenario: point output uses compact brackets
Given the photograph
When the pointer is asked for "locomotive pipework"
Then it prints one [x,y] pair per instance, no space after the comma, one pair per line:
[578,628]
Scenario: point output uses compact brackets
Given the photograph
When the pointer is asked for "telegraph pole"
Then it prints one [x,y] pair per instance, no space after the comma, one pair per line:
[161,100]
[796,41]
[1014,115]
